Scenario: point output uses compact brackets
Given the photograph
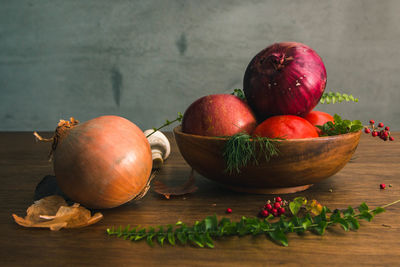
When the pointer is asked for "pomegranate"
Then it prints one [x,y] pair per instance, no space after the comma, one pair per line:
[218,115]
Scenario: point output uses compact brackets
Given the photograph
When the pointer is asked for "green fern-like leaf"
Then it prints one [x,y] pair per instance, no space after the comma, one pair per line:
[332,98]
[203,233]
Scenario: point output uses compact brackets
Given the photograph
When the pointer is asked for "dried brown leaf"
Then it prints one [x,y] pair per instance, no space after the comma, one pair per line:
[167,191]
[45,206]
[52,212]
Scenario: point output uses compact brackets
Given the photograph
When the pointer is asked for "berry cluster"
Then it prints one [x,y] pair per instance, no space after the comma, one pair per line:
[276,208]
[375,131]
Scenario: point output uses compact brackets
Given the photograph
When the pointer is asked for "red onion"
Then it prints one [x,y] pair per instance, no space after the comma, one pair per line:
[284,78]
[103,162]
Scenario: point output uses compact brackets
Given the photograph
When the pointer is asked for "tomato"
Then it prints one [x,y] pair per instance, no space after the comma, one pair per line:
[286,127]
[318,118]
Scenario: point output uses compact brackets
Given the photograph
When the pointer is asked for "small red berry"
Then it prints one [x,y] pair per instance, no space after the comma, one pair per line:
[371,121]
[278,199]
[367,130]
[228,210]
[374,134]
[264,213]
[382,186]
[387,128]
[273,211]
[385,134]
[277,205]
[391,138]
[380,125]
[268,207]
[281,210]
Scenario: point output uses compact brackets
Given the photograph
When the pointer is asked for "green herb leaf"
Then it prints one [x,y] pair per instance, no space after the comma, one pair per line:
[197,239]
[170,235]
[296,204]
[202,233]
[363,207]
[150,235]
[331,97]
[239,93]
[279,236]
[306,223]
[182,237]
[140,235]
[353,222]
[349,212]
[378,210]
[366,215]
[209,241]
[320,228]
[340,126]
[343,223]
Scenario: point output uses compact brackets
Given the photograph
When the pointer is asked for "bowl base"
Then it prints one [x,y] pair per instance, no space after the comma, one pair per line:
[276,190]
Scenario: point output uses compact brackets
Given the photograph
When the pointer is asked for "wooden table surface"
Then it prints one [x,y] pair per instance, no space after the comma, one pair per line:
[376,243]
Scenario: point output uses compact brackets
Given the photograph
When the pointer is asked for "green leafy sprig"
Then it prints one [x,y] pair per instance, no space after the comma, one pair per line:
[340,126]
[331,97]
[203,233]
[326,98]
[167,122]
[241,149]
[239,93]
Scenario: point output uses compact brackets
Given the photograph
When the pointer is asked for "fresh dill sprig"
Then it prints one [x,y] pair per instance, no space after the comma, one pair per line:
[267,146]
[241,149]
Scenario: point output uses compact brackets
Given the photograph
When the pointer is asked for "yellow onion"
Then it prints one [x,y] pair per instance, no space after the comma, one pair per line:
[102,163]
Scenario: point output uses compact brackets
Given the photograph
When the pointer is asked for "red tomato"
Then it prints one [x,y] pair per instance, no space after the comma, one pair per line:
[286,127]
[318,118]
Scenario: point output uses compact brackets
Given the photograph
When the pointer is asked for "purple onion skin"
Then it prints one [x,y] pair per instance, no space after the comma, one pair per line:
[284,79]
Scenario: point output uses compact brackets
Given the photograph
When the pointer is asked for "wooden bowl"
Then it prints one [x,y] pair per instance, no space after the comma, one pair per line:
[299,164]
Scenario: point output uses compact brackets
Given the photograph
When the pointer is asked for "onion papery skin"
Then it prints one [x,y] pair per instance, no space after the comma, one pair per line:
[284,79]
[103,163]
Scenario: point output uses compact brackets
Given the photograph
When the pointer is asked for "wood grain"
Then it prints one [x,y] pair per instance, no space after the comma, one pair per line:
[24,162]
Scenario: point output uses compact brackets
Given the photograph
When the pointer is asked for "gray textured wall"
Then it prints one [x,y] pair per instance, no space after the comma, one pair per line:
[147,60]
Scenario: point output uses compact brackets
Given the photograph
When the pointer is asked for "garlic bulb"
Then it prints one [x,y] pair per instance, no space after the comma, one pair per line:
[160,147]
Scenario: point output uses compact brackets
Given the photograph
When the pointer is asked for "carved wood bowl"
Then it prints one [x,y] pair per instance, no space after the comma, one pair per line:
[299,164]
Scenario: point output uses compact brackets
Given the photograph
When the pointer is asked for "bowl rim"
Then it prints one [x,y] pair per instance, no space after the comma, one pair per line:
[178,130]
